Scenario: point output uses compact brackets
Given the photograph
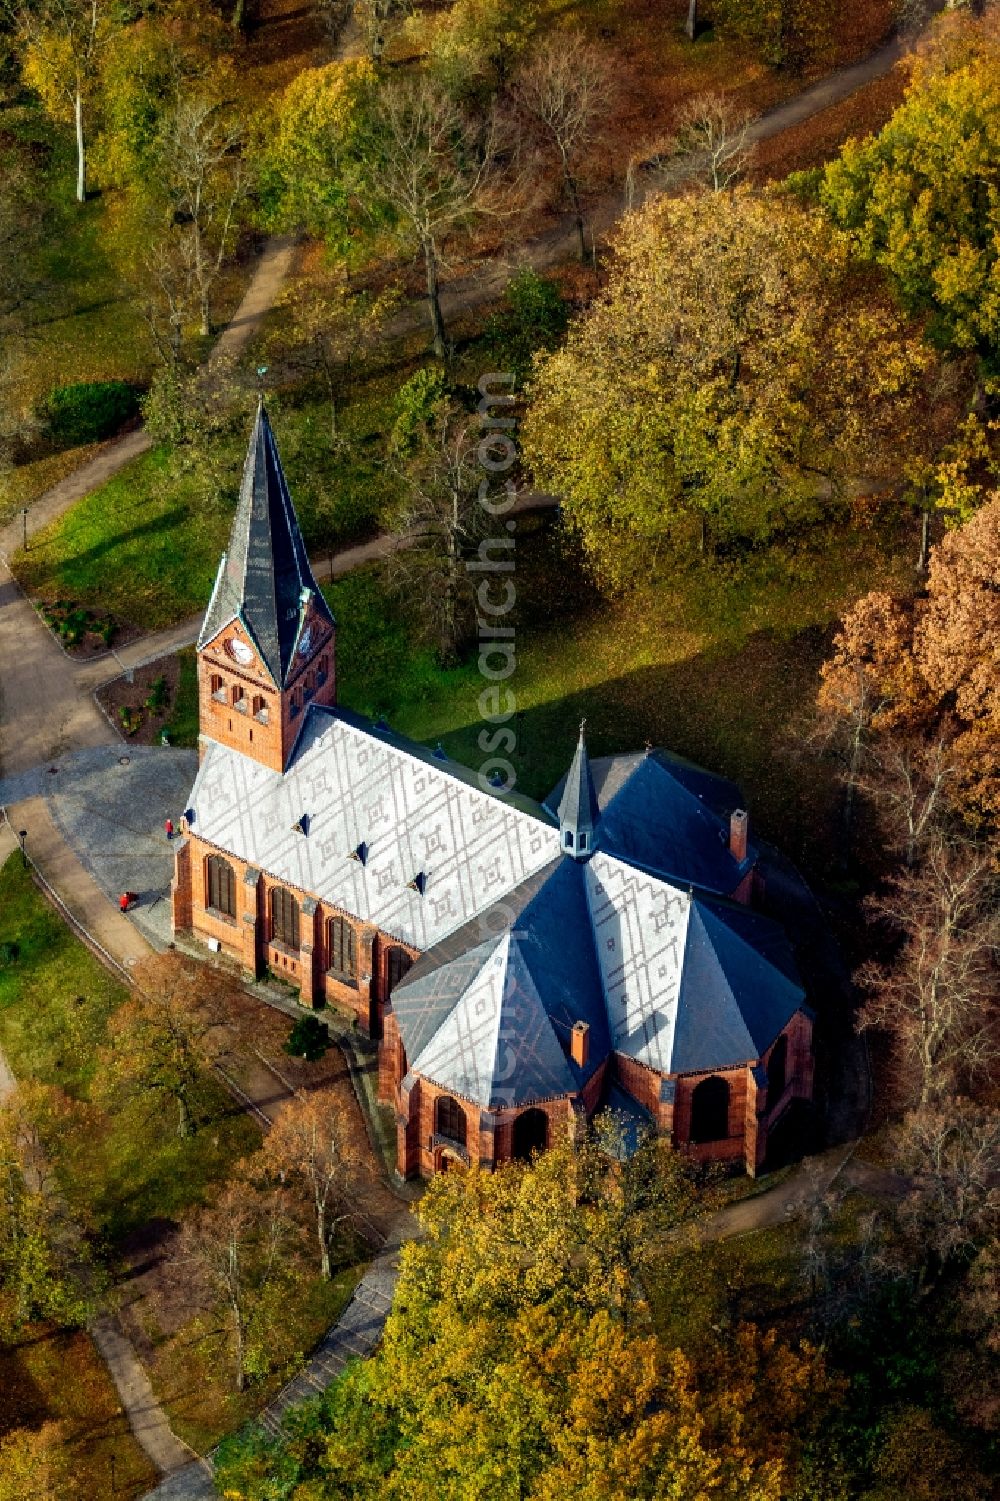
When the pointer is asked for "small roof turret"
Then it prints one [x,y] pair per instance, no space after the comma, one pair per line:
[265,580]
[578,811]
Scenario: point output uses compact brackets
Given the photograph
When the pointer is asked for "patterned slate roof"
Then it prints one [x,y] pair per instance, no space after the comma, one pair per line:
[515,994]
[358,785]
[677,981]
[265,572]
[660,812]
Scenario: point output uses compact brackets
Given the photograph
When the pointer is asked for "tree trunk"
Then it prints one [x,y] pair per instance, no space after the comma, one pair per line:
[81,150]
[925,540]
[206,322]
[691,27]
[434,299]
[324,1246]
[185,1124]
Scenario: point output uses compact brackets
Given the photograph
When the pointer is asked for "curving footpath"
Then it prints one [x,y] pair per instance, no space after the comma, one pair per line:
[47,709]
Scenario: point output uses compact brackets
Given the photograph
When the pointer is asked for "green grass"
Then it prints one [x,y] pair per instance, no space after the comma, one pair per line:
[119,1169]
[182,726]
[145,547]
[714,661]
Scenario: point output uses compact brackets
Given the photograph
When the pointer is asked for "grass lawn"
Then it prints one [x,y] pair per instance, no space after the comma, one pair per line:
[714,661]
[57,1376]
[145,547]
[192,1370]
[182,727]
[120,1170]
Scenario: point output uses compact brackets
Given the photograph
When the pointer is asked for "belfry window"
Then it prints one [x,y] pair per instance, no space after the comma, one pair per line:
[322,671]
[218,685]
[259,708]
[239,699]
[569,839]
[221,885]
[296,705]
[284,918]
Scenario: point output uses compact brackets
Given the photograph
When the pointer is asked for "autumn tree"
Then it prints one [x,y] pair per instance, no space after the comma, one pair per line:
[62,43]
[311,1146]
[786,33]
[937,998]
[205,179]
[309,161]
[567,90]
[35,1462]
[432,170]
[950,1152]
[869,686]
[439,470]
[234,1254]
[41,1249]
[713,135]
[734,375]
[473,46]
[911,197]
[519,1358]
[165,1037]
[326,328]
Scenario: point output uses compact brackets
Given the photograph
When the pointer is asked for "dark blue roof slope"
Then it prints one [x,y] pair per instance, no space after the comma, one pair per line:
[265,572]
[549,980]
[739,988]
[657,821]
[668,816]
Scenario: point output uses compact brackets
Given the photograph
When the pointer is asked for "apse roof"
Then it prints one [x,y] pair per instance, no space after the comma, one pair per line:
[264,575]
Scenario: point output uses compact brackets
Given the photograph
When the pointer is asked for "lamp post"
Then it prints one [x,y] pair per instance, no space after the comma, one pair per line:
[22,835]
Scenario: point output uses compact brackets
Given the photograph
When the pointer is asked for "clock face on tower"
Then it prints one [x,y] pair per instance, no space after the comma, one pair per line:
[305,640]
[240,652]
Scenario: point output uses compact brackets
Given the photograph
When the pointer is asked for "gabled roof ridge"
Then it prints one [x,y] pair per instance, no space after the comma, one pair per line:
[417,751]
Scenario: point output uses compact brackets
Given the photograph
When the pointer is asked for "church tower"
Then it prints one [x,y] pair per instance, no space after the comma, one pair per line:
[267,644]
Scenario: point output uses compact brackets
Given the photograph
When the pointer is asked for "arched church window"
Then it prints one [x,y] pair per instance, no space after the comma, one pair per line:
[397,963]
[710,1110]
[342,949]
[310,687]
[218,684]
[239,698]
[259,708]
[451,1120]
[296,705]
[531,1134]
[322,671]
[221,883]
[284,918]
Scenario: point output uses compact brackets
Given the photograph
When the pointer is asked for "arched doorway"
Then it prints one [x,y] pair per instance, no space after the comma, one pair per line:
[777,1069]
[710,1110]
[531,1134]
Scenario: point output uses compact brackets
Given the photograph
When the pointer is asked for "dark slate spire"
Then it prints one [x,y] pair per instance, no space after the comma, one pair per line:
[264,579]
[578,811]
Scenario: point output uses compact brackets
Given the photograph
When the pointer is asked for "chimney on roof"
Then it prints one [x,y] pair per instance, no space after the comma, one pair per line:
[579,1043]
[739,833]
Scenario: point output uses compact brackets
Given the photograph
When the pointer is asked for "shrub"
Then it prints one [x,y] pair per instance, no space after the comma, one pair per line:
[90,410]
[308,1039]
[157,699]
[534,317]
[416,404]
[8,954]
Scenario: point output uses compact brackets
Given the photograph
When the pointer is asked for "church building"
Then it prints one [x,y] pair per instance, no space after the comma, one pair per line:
[523,965]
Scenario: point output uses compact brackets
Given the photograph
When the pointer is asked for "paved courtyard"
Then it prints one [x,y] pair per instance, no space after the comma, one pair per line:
[110,804]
